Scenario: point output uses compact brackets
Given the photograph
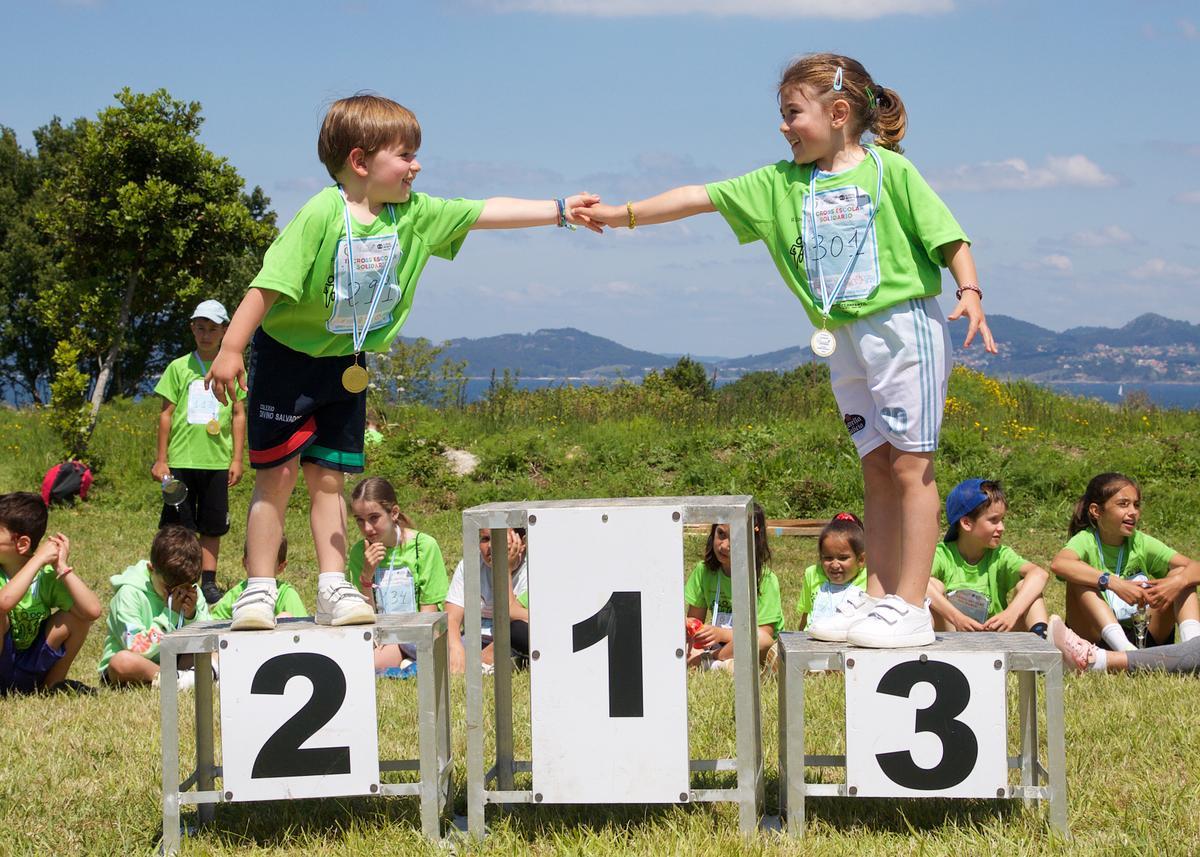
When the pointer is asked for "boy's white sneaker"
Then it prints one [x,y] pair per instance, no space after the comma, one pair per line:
[184,680]
[254,610]
[342,604]
[893,624]
[833,629]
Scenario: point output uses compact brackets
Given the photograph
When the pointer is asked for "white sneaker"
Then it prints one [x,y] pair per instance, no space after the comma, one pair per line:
[893,624]
[342,604]
[833,629]
[184,680]
[253,611]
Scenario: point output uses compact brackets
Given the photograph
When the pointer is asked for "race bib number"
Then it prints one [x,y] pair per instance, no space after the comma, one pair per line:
[722,620]
[395,591]
[829,597]
[370,257]
[202,405]
[842,216]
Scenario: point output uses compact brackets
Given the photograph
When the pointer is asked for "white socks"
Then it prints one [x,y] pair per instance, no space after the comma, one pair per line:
[1189,629]
[266,583]
[1101,661]
[329,579]
[1115,637]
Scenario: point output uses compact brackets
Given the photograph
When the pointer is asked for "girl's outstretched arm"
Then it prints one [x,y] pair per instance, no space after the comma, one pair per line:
[501,212]
[673,205]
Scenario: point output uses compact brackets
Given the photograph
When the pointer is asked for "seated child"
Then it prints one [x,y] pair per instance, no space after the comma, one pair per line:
[842,571]
[1114,572]
[45,609]
[1079,655]
[399,570]
[287,599]
[974,576]
[710,586]
[456,598]
[151,600]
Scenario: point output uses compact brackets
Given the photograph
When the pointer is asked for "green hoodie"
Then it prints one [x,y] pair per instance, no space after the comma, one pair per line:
[138,617]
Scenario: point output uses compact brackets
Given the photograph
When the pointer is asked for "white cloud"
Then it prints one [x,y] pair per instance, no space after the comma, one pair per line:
[1161,269]
[1188,29]
[1056,262]
[1017,174]
[1103,237]
[777,9]
[1189,197]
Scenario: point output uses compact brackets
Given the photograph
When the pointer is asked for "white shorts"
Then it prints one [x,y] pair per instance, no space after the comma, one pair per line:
[889,376]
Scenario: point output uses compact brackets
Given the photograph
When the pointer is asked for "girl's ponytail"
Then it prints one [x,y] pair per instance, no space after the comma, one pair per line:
[1080,520]
[888,119]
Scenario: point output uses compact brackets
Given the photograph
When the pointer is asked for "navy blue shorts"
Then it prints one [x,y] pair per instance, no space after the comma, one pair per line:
[298,406]
[24,671]
[206,509]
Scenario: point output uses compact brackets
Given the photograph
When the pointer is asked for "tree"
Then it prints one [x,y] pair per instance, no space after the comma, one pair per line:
[414,371]
[143,222]
[689,376]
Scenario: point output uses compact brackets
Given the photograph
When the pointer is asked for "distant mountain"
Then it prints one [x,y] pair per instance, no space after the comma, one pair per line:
[1149,348]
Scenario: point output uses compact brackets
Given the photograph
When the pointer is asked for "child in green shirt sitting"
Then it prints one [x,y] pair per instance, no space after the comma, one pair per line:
[45,609]
[287,600]
[976,583]
[152,599]
[710,587]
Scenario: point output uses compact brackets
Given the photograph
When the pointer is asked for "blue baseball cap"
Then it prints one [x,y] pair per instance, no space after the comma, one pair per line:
[964,498]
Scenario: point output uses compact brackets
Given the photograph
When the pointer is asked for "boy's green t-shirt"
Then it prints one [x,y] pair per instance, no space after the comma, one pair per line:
[308,265]
[190,445]
[287,600]
[899,258]
[46,594]
[138,618]
[701,590]
[814,579]
[421,555]
[1143,554]
[995,575]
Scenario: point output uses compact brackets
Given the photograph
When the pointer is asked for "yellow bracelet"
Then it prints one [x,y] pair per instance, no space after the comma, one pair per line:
[632,219]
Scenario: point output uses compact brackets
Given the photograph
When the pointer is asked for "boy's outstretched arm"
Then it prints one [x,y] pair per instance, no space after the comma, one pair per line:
[501,212]
[229,366]
[675,204]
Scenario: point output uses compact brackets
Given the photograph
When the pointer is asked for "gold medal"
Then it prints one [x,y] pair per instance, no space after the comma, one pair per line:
[355,378]
[823,343]
[213,427]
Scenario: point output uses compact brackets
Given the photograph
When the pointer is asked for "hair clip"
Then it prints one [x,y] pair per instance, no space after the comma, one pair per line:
[845,516]
[870,97]
[837,80]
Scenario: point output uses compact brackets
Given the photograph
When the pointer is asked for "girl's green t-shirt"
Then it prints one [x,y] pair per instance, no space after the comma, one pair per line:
[899,258]
[814,579]
[1143,554]
[701,590]
[421,555]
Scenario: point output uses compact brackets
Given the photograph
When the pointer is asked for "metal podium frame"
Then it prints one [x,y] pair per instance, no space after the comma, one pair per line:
[736,511]
[1023,653]
[426,632]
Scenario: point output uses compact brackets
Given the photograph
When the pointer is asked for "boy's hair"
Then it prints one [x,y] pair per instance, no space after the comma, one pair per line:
[850,527]
[970,499]
[874,108]
[994,493]
[281,557]
[762,551]
[23,513]
[368,122]
[376,489]
[175,555]
[1100,490]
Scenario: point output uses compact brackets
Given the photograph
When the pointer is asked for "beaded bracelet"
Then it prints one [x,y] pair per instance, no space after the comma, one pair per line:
[968,287]
[632,219]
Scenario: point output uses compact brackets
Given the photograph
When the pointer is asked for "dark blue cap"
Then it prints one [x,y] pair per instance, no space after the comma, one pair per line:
[965,498]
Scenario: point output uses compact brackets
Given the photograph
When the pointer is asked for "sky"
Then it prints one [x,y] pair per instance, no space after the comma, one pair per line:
[1063,136]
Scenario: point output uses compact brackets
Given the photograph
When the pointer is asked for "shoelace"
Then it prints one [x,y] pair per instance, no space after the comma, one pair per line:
[1078,648]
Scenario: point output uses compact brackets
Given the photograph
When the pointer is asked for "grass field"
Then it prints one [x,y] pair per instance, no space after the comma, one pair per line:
[82,775]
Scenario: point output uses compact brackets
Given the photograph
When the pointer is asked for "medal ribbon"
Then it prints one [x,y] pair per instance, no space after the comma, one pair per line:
[359,337]
[829,299]
[1100,553]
